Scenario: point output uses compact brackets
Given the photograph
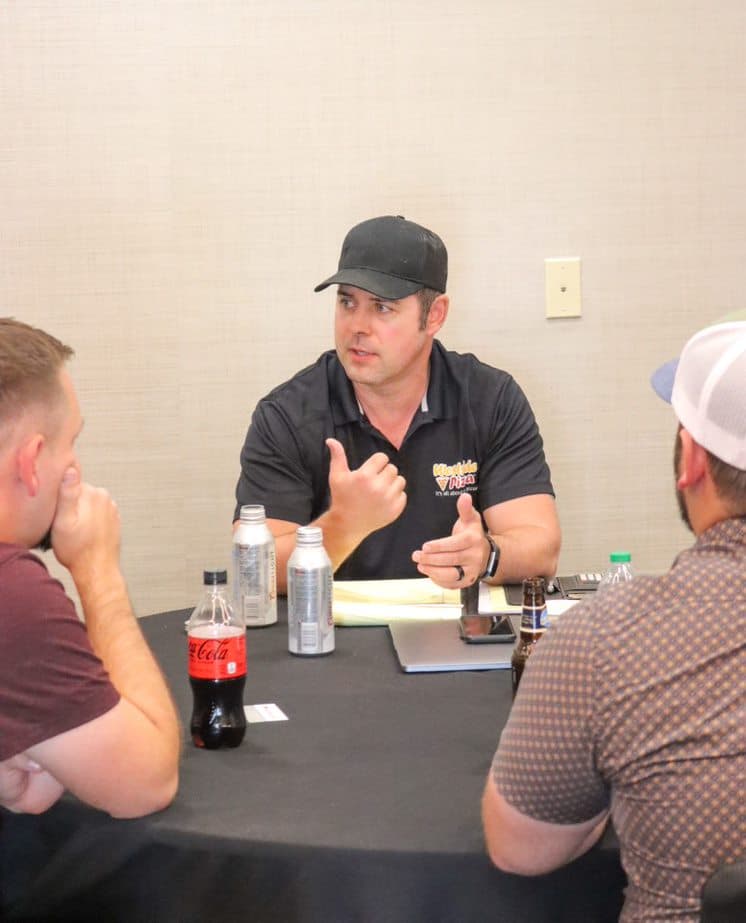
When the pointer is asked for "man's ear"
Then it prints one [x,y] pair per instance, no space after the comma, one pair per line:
[27,463]
[437,314]
[692,463]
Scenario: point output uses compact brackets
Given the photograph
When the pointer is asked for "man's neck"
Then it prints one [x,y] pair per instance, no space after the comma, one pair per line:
[392,408]
[705,507]
[9,519]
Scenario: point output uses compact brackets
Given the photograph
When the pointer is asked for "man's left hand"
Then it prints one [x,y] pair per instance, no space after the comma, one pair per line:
[459,560]
[25,787]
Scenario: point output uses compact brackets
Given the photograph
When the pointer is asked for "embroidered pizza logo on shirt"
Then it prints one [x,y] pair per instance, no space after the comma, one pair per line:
[455,478]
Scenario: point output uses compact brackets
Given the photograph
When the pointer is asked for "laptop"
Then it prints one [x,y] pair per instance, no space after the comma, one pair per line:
[436,647]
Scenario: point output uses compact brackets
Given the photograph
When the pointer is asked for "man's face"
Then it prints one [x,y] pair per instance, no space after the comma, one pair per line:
[379,342]
[680,499]
[61,426]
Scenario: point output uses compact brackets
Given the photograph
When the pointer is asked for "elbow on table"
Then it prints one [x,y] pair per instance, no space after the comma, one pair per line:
[152,781]
[513,840]
[506,861]
[166,792]
[501,848]
[32,805]
[155,796]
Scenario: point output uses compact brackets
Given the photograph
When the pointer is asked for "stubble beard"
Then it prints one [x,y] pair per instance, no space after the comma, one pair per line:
[683,512]
[680,499]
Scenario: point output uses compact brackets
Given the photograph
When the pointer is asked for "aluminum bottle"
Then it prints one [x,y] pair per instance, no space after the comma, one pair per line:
[310,622]
[254,569]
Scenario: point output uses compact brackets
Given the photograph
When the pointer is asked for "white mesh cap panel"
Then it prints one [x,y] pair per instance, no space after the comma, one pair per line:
[709,392]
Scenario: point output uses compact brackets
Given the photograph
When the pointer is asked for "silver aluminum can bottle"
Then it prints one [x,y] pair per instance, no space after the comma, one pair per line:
[254,572]
[310,621]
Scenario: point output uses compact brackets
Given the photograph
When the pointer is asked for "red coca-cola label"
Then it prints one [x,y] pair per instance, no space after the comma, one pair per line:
[222,657]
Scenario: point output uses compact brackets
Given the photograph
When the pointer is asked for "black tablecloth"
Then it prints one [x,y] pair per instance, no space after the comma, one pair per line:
[363,806]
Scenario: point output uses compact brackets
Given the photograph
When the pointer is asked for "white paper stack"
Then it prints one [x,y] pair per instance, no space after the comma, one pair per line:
[378,602]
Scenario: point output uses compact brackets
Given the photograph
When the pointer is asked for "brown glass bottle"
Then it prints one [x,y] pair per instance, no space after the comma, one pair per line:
[533,626]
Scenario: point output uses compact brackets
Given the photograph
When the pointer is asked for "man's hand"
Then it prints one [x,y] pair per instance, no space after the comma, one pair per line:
[86,528]
[367,498]
[25,787]
[458,560]
[362,501]
[126,760]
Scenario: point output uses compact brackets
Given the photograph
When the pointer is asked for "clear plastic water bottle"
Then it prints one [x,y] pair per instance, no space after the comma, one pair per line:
[310,621]
[254,569]
[620,569]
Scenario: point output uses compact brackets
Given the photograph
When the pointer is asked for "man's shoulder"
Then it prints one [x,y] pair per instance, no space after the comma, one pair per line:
[601,615]
[468,365]
[310,401]
[25,581]
[34,607]
[613,601]
[307,378]
[17,558]
[622,619]
[310,385]
[485,388]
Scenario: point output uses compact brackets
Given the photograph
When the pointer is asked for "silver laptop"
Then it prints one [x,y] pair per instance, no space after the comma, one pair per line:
[434,647]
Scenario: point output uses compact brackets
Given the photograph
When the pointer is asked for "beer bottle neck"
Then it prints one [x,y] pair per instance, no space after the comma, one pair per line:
[534,619]
[531,634]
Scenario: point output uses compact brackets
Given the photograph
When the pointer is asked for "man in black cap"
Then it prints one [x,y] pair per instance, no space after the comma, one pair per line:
[412,459]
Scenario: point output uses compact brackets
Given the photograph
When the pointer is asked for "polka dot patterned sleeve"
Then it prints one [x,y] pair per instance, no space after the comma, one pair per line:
[545,763]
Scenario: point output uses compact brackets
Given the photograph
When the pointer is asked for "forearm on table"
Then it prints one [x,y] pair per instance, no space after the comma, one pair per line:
[526,551]
[117,640]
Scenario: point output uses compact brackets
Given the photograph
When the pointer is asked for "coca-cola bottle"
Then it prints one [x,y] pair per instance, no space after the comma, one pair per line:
[217,667]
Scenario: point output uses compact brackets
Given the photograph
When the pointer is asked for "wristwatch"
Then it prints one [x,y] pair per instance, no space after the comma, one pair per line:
[494,558]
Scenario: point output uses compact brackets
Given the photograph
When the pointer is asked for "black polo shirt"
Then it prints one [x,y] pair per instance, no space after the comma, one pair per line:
[478,434]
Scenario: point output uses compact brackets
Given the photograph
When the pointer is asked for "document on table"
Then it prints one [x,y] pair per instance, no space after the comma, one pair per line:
[493,599]
[378,602]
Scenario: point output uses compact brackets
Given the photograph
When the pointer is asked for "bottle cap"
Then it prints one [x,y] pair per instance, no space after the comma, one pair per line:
[533,582]
[253,513]
[214,577]
[309,535]
[620,557]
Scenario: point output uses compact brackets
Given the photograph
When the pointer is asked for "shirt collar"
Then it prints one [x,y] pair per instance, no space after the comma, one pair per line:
[423,405]
[439,401]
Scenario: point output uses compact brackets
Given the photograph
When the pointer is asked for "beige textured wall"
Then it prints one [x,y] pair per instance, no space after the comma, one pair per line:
[176,176]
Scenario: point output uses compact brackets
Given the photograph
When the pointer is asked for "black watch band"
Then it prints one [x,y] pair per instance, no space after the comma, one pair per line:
[493,560]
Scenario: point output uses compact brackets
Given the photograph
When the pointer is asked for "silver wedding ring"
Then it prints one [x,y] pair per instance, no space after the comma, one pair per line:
[460,571]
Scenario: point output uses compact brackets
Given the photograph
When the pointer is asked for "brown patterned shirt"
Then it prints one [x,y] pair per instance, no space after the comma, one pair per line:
[636,702]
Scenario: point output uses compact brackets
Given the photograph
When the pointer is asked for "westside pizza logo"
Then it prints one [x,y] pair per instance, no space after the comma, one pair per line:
[453,479]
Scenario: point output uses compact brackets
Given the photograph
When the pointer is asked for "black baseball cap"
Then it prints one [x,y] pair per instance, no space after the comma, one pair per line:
[392,258]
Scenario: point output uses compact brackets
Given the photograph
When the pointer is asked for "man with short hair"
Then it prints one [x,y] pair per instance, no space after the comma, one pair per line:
[634,705]
[413,460]
[82,707]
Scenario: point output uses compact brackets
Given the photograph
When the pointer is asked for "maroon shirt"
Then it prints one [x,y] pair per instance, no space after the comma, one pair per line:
[50,679]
